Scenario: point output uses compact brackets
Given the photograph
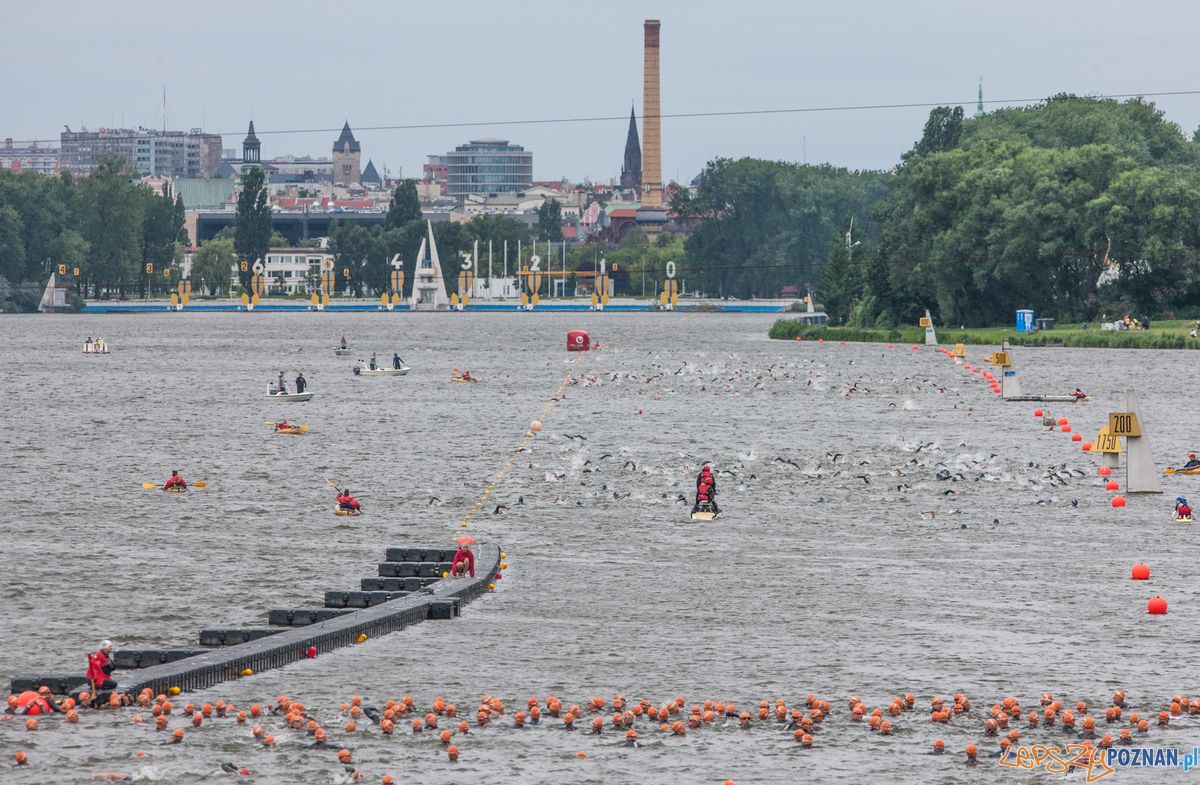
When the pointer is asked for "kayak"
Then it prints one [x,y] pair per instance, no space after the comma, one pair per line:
[176,489]
[339,511]
[703,515]
[290,396]
[292,429]
[1188,519]
[1193,470]
[360,371]
[460,379]
[342,352]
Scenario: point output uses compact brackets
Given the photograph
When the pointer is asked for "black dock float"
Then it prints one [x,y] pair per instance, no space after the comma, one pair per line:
[234,637]
[59,683]
[408,591]
[302,617]
[132,659]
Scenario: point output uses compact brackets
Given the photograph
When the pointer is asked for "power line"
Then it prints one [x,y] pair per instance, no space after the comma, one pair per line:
[675,115]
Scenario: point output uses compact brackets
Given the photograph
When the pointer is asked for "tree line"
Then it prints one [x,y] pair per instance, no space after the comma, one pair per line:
[1075,207]
[105,225]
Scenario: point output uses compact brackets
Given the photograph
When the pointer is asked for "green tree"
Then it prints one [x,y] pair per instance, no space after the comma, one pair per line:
[943,130]
[404,207]
[112,225]
[12,245]
[162,227]
[549,221]
[252,232]
[213,264]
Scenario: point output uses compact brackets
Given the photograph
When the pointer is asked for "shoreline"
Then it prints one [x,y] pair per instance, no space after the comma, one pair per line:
[1072,338]
[365,305]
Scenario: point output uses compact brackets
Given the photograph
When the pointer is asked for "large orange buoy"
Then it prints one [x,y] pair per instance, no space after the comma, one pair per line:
[1062,421]
[1038,413]
[1118,501]
[1075,437]
[1112,485]
[1087,447]
[1065,429]
[1140,572]
[1157,606]
[1104,471]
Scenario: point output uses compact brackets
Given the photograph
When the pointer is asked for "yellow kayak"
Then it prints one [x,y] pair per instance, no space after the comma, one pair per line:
[340,511]
[176,489]
[1193,470]
[295,429]
[1187,519]
[460,379]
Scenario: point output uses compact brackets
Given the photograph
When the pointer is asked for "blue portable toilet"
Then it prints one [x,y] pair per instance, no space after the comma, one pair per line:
[1024,321]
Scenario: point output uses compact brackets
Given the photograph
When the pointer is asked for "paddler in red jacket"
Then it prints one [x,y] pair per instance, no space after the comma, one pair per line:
[174,481]
[348,502]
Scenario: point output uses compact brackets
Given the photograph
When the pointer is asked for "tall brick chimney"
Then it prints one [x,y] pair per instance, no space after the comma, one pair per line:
[652,185]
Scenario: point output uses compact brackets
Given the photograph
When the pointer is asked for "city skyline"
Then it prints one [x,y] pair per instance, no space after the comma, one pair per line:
[567,61]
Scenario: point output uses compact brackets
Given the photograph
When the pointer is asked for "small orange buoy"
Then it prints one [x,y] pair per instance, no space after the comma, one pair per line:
[535,426]
[1157,606]
[1140,572]
[1112,485]
[1087,447]
[1038,413]
[581,755]
[1065,429]
[1075,437]
[1062,421]
[1118,501]
[1104,471]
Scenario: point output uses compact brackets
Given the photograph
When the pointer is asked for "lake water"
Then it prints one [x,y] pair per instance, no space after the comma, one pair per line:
[828,573]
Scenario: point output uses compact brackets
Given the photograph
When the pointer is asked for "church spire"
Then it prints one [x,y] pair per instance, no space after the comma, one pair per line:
[631,168]
[251,147]
[979,105]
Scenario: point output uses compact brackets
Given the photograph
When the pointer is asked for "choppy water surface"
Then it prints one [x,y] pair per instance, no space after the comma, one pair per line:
[824,575]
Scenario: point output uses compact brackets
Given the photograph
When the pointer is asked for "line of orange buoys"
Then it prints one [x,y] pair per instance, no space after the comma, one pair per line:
[289,724]
[1156,605]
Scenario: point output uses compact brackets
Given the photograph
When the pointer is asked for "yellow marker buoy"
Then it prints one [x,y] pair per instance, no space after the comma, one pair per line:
[463,525]
[503,555]
[504,565]
[174,691]
[445,575]
[362,638]
[247,672]
[491,587]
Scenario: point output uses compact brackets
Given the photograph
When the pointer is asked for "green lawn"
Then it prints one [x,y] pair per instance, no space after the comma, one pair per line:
[1161,335]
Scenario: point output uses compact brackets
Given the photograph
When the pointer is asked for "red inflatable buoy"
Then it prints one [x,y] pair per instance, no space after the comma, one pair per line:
[1104,471]
[1141,572]
[1037,413]
[578,341]
[1118,501]
[1156,606]
[1112,485]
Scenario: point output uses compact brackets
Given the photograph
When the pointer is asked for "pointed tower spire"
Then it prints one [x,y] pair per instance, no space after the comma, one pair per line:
[631,168]
[251,147]
[979,105]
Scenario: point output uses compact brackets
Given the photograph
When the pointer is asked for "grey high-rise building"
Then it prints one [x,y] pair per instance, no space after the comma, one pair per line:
[190,154]
[488,166]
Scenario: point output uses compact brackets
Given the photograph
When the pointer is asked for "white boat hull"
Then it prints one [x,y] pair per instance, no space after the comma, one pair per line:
[289,396]
[383,371]
[342,352]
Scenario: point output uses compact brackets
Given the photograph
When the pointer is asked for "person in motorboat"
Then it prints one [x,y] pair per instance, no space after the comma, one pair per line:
[1182,508]
[1192,461]
[301,382]
[705,497]
[1079,394]
[174,481]
[343,342]
[397,363]
[373,365]
[706,476]
[282,390]
[347,502]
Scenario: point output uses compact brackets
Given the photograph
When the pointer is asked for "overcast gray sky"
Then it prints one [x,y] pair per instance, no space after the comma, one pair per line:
[301,65]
